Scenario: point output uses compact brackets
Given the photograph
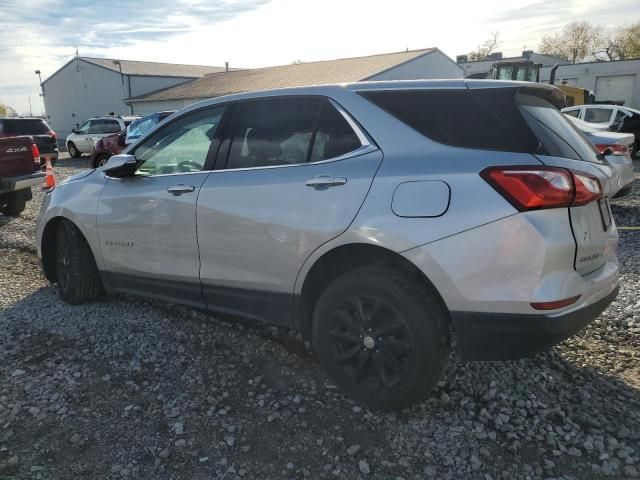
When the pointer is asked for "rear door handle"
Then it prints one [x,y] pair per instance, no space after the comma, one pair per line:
[178,190]
[325,181]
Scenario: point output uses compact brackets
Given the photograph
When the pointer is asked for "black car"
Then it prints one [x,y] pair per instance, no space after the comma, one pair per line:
[44,137]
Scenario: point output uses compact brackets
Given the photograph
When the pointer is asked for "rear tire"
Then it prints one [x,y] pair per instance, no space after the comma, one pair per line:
[13,204]
[73,150]
[76,271]
[381,336]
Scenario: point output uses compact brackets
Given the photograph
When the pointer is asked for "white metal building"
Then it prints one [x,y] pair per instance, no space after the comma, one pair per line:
[617,81]
[408,65]
[85,87]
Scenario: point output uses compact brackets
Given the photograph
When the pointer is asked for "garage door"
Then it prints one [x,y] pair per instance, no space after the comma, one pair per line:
[615,88]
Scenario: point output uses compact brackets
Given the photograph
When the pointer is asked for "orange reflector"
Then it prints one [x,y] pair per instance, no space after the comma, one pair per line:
[555,304]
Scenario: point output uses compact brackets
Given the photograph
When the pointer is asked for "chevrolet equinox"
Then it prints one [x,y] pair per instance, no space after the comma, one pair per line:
[375,217]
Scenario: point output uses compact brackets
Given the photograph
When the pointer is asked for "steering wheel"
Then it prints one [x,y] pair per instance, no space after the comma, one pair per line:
[188,166]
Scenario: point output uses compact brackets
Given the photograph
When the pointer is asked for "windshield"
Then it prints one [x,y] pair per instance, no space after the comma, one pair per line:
[26,126]
[142,126]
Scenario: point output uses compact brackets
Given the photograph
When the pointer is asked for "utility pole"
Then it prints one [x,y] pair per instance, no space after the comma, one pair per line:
[30,111]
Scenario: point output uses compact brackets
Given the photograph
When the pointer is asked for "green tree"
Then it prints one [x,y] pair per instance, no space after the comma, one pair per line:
[4,111]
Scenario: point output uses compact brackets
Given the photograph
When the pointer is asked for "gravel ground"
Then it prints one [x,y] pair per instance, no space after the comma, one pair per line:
[131,388]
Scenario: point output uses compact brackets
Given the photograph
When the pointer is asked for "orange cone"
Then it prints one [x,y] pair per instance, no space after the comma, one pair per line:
[50,179]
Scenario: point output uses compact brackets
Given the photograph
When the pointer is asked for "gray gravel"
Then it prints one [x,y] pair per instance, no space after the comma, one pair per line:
[131,388]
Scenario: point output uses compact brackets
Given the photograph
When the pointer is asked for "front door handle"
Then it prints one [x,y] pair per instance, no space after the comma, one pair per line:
[180,189]
[325,181]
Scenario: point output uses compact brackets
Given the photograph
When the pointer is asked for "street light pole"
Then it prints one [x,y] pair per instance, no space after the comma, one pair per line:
[124,93]
[44,111]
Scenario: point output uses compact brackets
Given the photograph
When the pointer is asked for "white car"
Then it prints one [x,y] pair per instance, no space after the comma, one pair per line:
[614,118]
[616,146]
[83,138]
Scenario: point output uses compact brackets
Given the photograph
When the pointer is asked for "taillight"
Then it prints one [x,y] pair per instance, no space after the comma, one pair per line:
[615,149]
[587,189]
[535,188]
[36,155]
[53,135]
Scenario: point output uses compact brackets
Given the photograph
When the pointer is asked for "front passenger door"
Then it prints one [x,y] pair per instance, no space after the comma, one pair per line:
[147,222]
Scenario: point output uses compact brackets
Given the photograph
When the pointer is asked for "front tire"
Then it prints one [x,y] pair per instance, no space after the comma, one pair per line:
[73,150]
[76,271]
[381,336]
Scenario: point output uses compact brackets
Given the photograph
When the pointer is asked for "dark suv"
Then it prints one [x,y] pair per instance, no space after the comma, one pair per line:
[42,134]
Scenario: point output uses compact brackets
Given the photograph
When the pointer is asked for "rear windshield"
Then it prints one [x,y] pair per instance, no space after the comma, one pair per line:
[488,119]
[23,126]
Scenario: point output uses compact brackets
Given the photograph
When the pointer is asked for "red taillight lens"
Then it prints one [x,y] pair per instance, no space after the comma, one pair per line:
[534,188]
[528,188]
[615,149]
[587,189]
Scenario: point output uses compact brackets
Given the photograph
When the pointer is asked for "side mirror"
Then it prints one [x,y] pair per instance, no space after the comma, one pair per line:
[120,165]
[74,130]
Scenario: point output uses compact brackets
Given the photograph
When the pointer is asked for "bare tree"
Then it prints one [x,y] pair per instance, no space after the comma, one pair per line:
[622,43]
[489,45]
[578,41]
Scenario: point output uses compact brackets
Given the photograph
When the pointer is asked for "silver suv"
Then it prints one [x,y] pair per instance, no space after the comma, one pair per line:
[83,138]
[374,217]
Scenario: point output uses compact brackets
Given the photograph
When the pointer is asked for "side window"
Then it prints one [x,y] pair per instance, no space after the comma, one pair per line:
[597,115]
[334,136]
[572,113]
[273,132]
[97,126]
[486,119]
[111,126]
[84,128]
[620,116]
[181,146]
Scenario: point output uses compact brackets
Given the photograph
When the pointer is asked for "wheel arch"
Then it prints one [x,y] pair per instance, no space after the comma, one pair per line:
[48,245]
[340,260]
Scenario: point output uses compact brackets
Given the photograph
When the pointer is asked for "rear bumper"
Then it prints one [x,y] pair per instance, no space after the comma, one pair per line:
[11,184]
[503,336]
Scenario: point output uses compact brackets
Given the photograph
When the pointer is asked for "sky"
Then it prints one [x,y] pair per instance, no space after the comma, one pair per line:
[44,34]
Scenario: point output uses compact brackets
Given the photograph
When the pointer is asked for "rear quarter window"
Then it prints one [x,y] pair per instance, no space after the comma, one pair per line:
[486,119]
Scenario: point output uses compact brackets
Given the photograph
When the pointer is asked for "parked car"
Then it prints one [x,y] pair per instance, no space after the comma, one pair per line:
[19,171]
[114,144]
[616,147]
[83,138]
[374,217]
[616,118]
[38,129]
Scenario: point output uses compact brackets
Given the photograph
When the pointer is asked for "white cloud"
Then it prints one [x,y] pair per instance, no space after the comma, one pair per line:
[250,34]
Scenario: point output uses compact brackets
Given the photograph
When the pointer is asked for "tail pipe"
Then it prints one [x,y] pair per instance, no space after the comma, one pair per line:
[552,76]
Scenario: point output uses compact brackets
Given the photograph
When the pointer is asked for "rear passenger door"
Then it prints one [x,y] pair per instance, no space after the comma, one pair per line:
[291,174]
